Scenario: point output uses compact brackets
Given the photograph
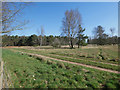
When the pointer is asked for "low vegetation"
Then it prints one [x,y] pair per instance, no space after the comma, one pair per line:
[44,62]
[31,72]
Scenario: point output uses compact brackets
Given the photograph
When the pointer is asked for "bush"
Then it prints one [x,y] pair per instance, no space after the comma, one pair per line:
[61,65]
[56,43]
[78,78]
[93,84]
[110,85]
[82,56]
[67,67]
[89,56]
[49,62]
[54,66]
[84,44]
[41,59]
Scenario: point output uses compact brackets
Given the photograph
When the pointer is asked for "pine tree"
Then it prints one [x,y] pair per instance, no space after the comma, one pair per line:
[81,37]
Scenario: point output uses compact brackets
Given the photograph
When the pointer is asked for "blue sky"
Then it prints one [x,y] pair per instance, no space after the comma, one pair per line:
[50,15]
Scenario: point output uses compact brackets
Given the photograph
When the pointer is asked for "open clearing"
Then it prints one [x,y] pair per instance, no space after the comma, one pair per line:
[62,68]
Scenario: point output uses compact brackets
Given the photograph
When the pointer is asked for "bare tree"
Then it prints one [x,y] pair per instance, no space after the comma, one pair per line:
[38,32]
[11,12]
[70,22]
[112,30]
[56,43]
[40,35]
[100,35]
[98,31]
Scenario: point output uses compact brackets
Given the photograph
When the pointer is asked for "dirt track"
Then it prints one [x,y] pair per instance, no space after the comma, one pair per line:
[90,61]
[89,66]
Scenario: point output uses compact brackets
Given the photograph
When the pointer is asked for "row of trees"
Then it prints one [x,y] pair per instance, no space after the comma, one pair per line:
[101,38]
[106,41]
[34,40]
[10,12]
[72,32]
[55,41]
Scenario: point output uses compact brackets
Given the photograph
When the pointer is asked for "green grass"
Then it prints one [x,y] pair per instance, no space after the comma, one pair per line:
[29,72]
[89,53]
[85,61]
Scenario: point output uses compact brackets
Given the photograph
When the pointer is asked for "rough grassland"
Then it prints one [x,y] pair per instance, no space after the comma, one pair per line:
[29,72]
[61,54]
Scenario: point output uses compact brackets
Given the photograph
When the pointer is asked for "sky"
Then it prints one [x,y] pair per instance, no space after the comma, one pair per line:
[50,15]
[62,0]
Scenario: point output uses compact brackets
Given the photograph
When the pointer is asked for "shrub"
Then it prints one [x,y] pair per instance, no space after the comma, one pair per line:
[49,62]
[41,59]
[93,84]
[89,56]
[115,60]
[67,67]
[78,78]
[54,66]
[56,43]
[61,65]
[110,85]
[98,57]
[52,86]
[82,56]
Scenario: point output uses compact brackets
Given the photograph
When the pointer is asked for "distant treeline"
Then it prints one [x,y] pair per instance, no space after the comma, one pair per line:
[104,41]
[34,40]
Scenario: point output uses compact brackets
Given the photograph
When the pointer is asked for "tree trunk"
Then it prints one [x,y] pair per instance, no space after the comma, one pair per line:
[41,41]
[71,43]
[78,45]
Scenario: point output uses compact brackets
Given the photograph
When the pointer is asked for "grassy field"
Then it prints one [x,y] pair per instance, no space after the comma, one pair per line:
[31,72]
[90,56]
